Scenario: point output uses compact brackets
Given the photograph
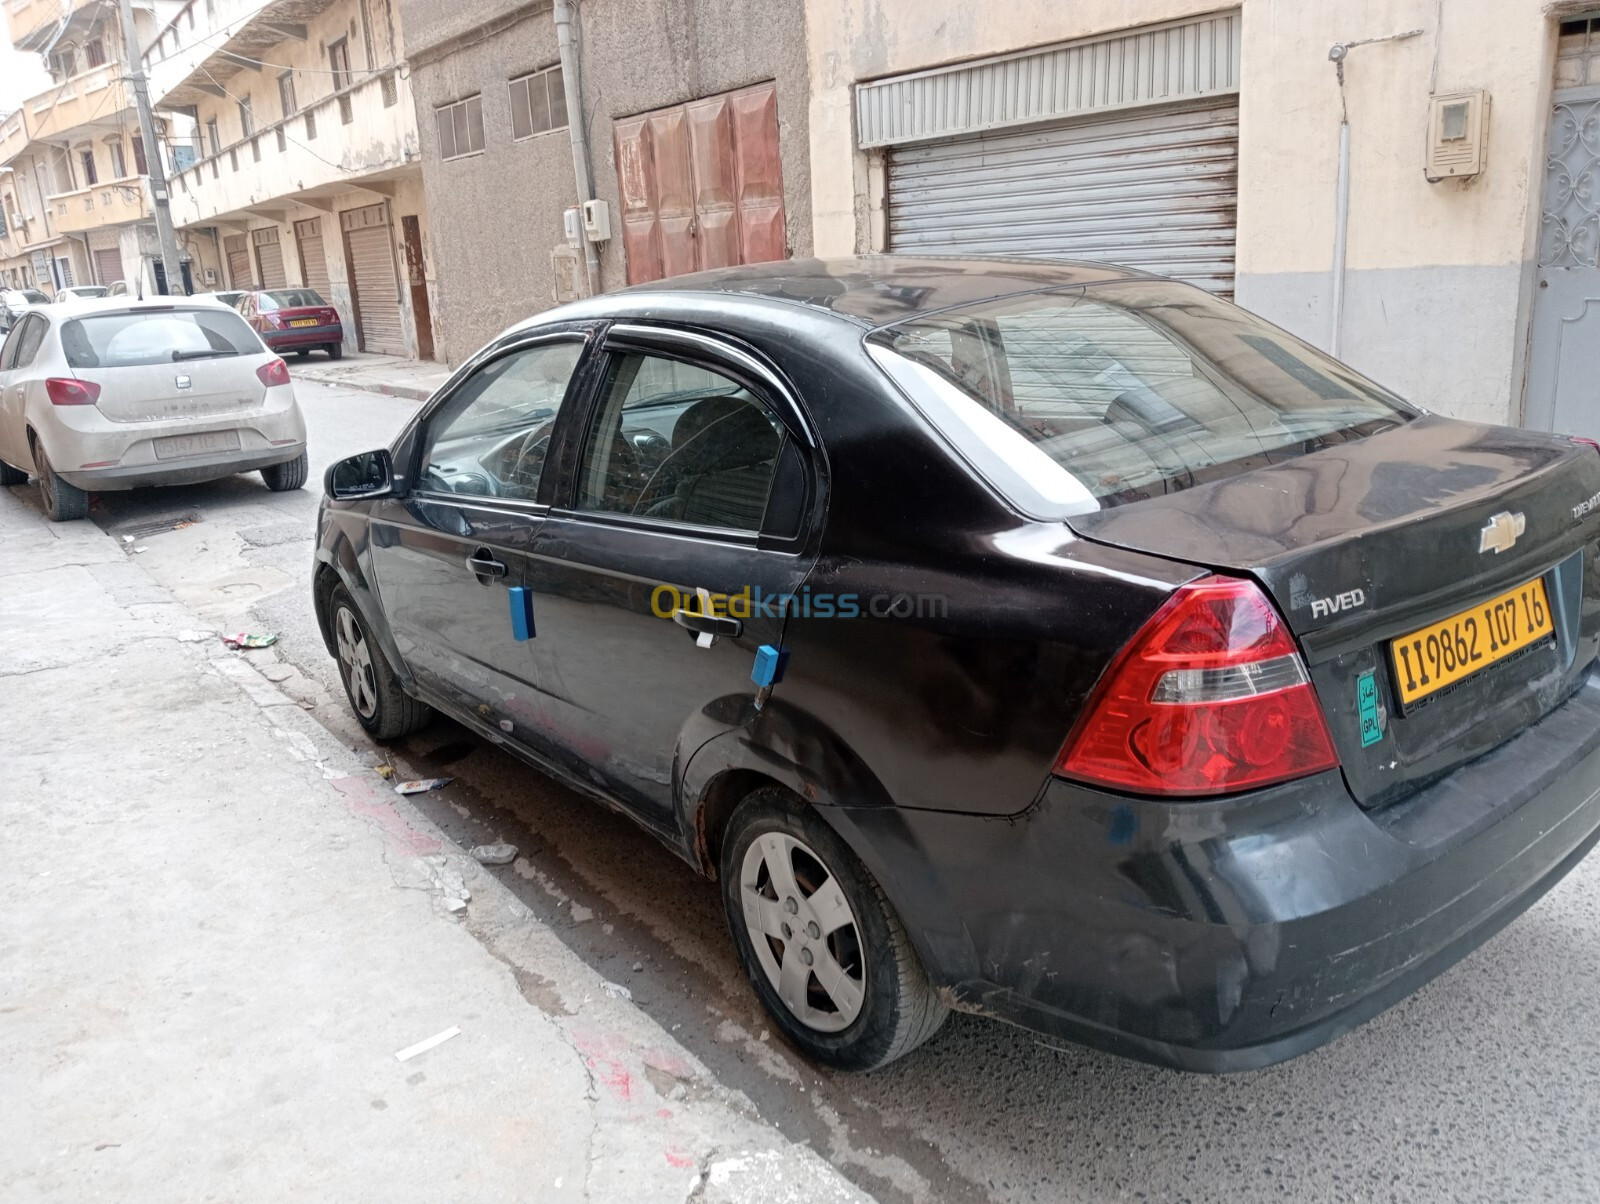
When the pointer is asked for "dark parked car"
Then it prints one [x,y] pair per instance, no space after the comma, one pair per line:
[14,302]
[293,319]
[1049,641]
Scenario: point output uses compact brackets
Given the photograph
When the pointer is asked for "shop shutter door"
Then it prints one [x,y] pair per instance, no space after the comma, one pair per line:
[369,251]
[1150,188]
[269,257]
[313,257]
[238,252]
[108,265]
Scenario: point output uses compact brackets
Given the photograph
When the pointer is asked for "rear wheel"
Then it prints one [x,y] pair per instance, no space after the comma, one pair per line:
[63,501]
[335,351]
[281,478]
[381,706]
[823,948]
[303,354]
[11,476]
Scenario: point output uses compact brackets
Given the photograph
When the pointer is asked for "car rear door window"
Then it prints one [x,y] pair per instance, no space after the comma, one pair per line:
[155,336]
[290,298]
[491,438]
[28,338]
[675,441]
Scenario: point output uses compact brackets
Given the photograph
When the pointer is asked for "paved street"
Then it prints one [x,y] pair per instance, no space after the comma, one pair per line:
[1483,1086]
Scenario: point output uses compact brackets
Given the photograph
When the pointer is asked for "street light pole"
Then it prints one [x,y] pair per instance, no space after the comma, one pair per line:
[133,69]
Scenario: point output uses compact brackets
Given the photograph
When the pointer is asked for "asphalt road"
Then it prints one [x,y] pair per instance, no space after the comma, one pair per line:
[1484,1086]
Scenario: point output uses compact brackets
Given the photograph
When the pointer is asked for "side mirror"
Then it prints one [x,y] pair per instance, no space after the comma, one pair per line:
[371,474]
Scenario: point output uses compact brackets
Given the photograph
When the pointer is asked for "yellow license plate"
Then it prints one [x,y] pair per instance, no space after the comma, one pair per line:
[302,322]
[1443,653]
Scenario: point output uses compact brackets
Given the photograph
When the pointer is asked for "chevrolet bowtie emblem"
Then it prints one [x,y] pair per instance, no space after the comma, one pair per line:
[1501,532]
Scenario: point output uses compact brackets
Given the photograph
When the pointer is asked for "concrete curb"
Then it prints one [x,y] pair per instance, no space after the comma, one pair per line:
[353,380]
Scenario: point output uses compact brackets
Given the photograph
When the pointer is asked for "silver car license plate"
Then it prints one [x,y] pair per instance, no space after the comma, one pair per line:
[177,446]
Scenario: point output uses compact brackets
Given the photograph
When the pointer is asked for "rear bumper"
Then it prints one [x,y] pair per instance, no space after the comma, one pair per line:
[189,471]
[305,336]
[1229,935]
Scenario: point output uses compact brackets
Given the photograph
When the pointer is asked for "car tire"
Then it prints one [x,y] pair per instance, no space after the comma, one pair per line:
[281,478]
[880,1005]
[63,501]
[11,476]
[380,704]
[303,354]
[335,351]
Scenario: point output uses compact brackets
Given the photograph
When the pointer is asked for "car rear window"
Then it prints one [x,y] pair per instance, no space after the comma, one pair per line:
[134,337]
[290,298]
[1072,401]
[35,297]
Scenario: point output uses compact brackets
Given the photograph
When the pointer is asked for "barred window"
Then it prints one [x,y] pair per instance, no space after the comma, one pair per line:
[538,103]
[460,127]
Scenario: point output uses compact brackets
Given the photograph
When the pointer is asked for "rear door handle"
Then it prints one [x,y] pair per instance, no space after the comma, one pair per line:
[483,564]
[702,624]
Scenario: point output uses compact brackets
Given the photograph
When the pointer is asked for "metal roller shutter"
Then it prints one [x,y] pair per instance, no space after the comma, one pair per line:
[269,257]
[369,252]
[313,256]
[1151,188]
[237,250]
[108,266]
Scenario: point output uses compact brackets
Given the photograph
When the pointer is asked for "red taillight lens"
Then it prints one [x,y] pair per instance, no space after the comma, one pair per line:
[64,391]
[1586,441]
[329,317]
[1210,697]
[273,320]
[275,372]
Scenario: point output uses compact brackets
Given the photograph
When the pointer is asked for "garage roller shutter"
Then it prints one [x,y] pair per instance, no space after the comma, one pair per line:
[238,253]
[369,250]
[1150,188]
[313,256]
[269,255]
[108,266]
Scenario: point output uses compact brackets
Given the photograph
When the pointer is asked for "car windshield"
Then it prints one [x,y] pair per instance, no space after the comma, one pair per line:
[88,290]
[133,337]
[289,298]
[1071,401]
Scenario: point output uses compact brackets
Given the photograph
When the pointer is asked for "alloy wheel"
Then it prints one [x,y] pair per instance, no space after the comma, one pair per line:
[355,662]
[804,933]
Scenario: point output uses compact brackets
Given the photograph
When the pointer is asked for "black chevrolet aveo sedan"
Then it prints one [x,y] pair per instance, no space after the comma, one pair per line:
[1048,641]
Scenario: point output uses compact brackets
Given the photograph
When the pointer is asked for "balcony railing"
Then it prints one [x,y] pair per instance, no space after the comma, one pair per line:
[98,94]
[13,136]
[356,135]
[27,18]
[108,204]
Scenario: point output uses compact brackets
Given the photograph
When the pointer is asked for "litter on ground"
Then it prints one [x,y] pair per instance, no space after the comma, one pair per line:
[421,1047]
[250,640]
[495,854]
[422,785]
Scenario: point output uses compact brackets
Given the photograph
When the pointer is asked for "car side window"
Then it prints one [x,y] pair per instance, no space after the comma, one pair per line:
[491,437]
[8,348]
[31,333]
[672,440]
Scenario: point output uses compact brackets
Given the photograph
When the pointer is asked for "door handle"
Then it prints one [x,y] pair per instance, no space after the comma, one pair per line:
[702,624]
[483,564]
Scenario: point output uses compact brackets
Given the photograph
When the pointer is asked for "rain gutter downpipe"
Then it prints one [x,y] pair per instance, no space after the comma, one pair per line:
[578,127]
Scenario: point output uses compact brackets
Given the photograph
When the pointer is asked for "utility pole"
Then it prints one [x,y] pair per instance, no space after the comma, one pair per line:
[133,69]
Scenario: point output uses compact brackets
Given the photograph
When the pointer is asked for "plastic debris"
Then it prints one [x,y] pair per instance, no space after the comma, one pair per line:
[422,1047]
[138,550]
[495,854]
[127,539]
[616,990]
[250,640]
[384,771]
[456,907]
[637,967]
[422,785]
[507,726]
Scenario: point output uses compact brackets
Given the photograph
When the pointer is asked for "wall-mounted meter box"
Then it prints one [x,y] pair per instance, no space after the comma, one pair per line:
[572,226]
[1458,132]
[597,220]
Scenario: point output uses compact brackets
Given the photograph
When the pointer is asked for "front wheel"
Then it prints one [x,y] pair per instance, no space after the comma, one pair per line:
[381,706]
[63,501]
[823,948]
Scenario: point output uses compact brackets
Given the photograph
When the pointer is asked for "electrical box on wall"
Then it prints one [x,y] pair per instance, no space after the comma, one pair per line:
[572,226]
[1458,131]
[597,220]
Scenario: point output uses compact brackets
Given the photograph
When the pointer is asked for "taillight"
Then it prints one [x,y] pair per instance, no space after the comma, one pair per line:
[64,391]
[274,372]
[273,320]
[1586,441]
[329,317]
[1210,697]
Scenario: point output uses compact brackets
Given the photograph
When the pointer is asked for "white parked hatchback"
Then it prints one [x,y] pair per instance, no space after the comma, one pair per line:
[114,393]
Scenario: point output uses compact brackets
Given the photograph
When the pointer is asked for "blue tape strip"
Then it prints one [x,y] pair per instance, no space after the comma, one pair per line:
[767,668]
[521,611]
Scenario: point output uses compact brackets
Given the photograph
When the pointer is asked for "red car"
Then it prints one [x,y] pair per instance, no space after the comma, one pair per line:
[293,319]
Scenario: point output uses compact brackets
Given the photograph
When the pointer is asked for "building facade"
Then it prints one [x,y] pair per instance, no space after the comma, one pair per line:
[1449,251]
[302,164]
[74,191]
[696,140]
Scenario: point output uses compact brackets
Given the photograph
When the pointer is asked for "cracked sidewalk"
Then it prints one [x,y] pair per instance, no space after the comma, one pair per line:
[219,926]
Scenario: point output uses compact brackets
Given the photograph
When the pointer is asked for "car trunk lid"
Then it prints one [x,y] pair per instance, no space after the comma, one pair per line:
[1367,541]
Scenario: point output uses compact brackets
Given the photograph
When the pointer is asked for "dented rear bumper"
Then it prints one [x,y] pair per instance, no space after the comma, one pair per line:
[1232,934]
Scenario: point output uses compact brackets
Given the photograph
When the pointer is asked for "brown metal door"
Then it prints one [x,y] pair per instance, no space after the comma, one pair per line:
[237,249]
[374,288]
[417,278]
[269,258]
[313,256]
[702,185]
[108,266]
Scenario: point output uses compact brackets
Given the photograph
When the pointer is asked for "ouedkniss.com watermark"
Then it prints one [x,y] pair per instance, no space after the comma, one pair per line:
[753,602]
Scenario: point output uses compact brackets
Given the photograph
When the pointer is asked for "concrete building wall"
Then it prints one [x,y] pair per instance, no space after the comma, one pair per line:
[506,204]
[1439,276]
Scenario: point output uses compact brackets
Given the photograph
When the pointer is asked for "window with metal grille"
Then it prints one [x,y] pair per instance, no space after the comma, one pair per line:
[247,118]
[283,140]
[538,104]
[390,90]
[347,111]
[213,139]
[94,51]
[286,93]
[311,126]
[460,128]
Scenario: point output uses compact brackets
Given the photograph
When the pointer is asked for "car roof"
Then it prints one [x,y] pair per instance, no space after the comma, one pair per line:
[874,290]
[89,305]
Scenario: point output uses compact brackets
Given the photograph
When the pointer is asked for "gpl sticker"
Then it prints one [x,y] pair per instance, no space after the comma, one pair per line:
[1367,707]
